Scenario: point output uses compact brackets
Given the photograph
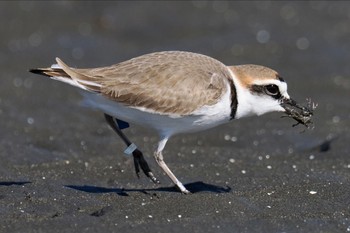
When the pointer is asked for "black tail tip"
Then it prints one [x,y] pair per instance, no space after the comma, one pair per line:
[35,71]
[38,71]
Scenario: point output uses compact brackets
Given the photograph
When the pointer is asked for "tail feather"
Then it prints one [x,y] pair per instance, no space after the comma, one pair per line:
[66,74]
[50,72]
[56,74]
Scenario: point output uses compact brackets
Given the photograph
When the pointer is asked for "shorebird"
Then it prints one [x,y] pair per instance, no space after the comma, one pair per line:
[177,92]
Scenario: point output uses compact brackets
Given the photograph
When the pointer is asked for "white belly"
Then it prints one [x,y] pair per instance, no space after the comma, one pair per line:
[166,125]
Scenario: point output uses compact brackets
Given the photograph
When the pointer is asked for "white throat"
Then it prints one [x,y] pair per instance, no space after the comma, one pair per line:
[253,105]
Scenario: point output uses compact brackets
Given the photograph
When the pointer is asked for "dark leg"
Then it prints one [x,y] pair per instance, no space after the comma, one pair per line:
[139,160]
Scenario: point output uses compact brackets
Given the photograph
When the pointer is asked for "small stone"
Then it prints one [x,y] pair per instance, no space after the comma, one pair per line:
[30,120]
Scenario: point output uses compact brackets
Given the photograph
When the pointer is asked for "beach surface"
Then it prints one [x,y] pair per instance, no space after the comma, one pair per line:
[62,169]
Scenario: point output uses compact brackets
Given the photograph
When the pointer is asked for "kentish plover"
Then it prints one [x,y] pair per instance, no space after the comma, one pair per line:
[176,92]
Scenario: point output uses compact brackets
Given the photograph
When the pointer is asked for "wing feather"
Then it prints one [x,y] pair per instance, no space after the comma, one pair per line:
[171,82]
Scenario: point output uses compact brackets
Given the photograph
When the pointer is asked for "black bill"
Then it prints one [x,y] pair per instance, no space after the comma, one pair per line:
[302,114]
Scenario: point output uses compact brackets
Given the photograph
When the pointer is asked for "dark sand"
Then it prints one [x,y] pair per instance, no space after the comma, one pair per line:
[62,169]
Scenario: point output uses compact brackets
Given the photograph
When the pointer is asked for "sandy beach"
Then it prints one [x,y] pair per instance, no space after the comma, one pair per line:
[62,169]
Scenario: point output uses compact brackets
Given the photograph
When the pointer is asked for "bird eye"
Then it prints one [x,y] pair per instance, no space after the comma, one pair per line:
[272,89]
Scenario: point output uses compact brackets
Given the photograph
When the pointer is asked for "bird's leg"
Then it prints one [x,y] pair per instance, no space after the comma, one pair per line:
[139,160]
[160,160]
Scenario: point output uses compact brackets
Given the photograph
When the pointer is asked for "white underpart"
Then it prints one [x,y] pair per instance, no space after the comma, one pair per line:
[250,104]
[69,81]
[216,114]
[166,125]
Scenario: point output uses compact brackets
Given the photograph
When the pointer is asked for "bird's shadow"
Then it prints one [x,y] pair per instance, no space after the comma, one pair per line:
[195,187]
[10,183]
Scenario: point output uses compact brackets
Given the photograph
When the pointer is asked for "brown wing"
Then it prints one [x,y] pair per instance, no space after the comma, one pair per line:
[166,82]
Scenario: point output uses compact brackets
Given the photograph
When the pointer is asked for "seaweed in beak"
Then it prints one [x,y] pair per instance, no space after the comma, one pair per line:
[302,114]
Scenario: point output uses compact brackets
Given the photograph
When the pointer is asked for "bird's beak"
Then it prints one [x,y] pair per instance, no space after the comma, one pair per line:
[302,114]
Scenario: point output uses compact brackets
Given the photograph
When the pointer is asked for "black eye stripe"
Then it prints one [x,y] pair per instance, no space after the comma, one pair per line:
[270,90]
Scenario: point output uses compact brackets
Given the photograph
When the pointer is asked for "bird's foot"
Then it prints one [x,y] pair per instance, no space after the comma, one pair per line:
[182,188]
[185,192]
[140,162]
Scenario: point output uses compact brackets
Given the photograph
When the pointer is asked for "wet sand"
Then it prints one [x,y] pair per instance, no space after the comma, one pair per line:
[62,168]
